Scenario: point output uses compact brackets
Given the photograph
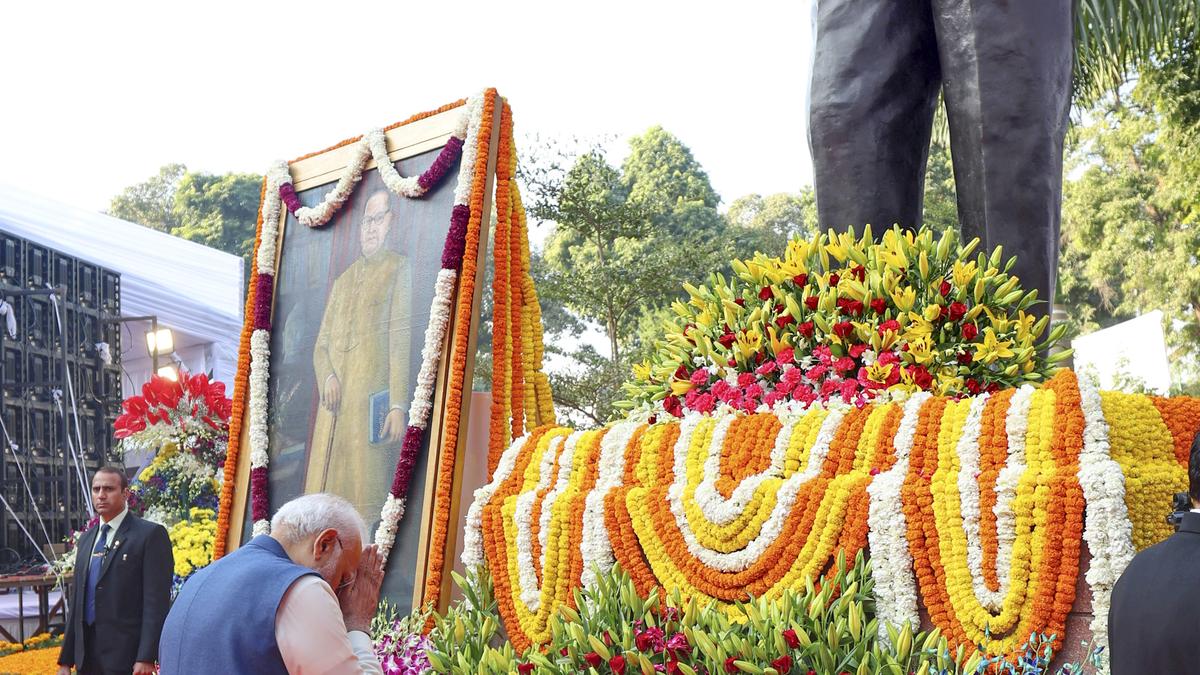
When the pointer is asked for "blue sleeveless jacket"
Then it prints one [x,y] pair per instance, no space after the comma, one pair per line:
[224,618]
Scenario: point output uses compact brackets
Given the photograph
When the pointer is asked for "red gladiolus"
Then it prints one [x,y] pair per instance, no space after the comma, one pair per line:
[957,311]
[765,293]
[969,331]
[791,638]
[593,659]
[783,664]
[617,663]
[843,329]
[879,305]
[945,288]
[786,355]
[806,329]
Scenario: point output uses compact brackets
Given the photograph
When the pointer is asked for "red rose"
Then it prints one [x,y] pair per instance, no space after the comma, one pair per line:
[800,279]
[965,358]
[806,329]
[673,405]
[957,311]
[783,664]
[564,651]
[972,385]
[765,293]
[921,376]
[617,663]
[653,419]
[727,340]
[791,638]
[784,321]
[969,331]
[525,668]
[843,329]
[945,288]
[879,305]
[943,312]
[834,279]
[812,301]
[593,659]
[681,373]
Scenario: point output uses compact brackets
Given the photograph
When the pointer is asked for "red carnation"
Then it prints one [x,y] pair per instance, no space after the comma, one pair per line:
[792,639]
[806,329]
[892,325]
[857,350]
[740,302]
[727,340]
[859,272]
[921,376]
[879,305]
[784,321]
[972,385]
[617,663]
[812,301]
[834,279]
[765,293]
[845,363]
[783,664]
[800,279]
[593,659]
[957,311]
[945,288]
[525,668]
[965,358]
[969,331]
[730,666]
[843,329]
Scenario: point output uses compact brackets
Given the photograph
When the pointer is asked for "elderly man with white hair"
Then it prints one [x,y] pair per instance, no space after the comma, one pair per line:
[298,601]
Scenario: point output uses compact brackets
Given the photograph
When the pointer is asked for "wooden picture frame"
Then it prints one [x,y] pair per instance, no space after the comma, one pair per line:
[413,142]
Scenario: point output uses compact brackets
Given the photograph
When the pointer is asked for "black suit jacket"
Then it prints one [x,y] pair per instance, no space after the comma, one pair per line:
[1154,620]
[133,595]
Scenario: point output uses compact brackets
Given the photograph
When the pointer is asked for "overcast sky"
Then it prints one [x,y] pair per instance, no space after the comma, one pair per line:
[97,96]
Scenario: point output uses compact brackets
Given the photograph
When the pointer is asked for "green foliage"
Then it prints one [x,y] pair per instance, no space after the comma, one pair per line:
[766,224]
[1131,234]
[830,630]
[941,200]
[220,211]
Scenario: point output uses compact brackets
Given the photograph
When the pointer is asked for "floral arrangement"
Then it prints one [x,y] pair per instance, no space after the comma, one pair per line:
[31,661]
[65,563]
[611,628]
[191,413]
[172,484]
[400,643]
[844,318]
[453,296]
[977,505]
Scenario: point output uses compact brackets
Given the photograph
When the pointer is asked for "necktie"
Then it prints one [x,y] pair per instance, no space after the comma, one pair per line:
[93,575]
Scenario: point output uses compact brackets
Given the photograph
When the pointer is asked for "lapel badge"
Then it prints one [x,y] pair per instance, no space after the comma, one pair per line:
[124,556]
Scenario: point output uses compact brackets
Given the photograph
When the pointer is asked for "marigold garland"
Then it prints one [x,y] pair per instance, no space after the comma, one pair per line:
[989,521]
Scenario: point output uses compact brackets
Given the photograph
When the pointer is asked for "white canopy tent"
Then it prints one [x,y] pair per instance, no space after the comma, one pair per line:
[194,290]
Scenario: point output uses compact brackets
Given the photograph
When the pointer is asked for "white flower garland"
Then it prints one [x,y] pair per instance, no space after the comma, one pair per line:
[1016,426]
[968,494]
[473,555]
[887,531]
[596,547]
[715,507]
[1107,528]
[530,591]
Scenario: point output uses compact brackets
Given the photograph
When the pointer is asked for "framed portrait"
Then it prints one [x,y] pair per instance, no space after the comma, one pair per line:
[353,299]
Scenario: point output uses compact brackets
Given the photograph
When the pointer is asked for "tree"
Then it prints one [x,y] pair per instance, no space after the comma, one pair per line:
[220,211]
[152,202]
[1131,241]
[766,224]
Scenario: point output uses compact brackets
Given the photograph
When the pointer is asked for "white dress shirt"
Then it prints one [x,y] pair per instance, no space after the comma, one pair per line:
[113,526]
[312,636]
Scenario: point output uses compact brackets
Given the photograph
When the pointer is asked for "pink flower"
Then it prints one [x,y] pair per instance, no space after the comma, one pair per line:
[721,389]
[844,364]
[773,398]
[786,355]
[816,372]
[746,379]
[857,350]
[767,368]
[848,389]
[700,377]
[705,403]
[753,392]
[689,399]
[792,376]
[805,395]
[823,354]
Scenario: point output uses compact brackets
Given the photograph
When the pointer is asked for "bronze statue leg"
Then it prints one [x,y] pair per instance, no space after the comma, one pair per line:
[874,85]
[1006,69]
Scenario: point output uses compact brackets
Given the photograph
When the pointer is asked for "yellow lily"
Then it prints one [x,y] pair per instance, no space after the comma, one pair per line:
[992,347]
[963,273]
[680,387]
[905,298]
